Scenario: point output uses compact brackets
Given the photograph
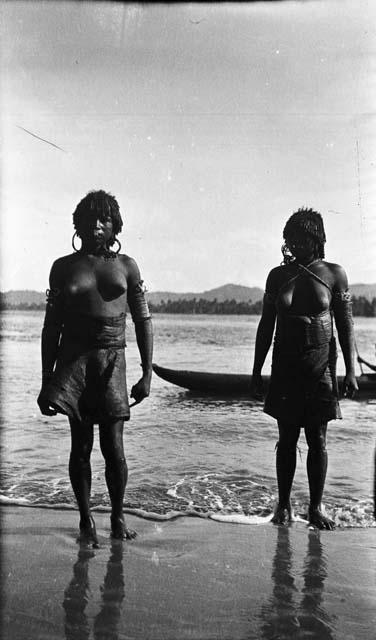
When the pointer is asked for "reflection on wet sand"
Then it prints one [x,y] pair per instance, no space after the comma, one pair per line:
[77,594]
[313,618]
[284,617]
[106,622]
[76,598]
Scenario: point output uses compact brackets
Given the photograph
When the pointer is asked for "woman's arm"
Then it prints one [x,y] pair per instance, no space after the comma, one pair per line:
[342,311]
[144,337]
[144,331]
[264,334]
[51,333]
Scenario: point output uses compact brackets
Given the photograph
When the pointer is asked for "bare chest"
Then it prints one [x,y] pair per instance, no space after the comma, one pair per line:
[95,276]
[303,295]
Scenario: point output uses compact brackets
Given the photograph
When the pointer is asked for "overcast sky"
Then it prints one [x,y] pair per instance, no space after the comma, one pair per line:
[210,123]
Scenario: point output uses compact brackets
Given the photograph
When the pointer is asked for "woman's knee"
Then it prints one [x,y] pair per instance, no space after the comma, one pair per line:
[316,438]
[111,442]
[114,456]
[80,455]
[82,438]
[288,438]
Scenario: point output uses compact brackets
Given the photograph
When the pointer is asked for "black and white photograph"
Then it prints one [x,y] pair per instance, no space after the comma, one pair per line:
[188,320]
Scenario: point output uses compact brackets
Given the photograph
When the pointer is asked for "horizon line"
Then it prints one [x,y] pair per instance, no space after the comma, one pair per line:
[229,284]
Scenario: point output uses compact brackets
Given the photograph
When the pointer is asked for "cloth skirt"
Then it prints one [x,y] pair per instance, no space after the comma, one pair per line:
[303,389]
[89,380]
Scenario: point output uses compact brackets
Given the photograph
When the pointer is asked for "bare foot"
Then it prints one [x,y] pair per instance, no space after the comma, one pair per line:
[88,534]
[283,515]
[120,531]
[317,519]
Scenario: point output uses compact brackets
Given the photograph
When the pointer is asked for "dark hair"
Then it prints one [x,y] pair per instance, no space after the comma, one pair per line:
[311,223]
[101,204]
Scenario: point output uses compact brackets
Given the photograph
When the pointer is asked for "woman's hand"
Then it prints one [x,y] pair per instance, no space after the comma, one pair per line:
[141,389]
[44,405]
[257,387]
[349,386]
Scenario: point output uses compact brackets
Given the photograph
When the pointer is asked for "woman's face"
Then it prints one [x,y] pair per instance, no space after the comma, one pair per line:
[300,244]
[95,230]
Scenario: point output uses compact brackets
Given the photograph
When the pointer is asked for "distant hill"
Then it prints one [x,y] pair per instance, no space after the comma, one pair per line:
[225,292]
[242,293]
[366,290]
[25,298]
[236,292]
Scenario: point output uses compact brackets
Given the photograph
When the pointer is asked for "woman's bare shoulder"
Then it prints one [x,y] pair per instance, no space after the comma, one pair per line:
[130,267]
[127,261]
[278,271]
[60,264]
[59,269]
[278,275]
[336,273]
[333,266]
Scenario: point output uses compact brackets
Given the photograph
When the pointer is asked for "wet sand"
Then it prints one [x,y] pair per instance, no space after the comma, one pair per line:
[185,578]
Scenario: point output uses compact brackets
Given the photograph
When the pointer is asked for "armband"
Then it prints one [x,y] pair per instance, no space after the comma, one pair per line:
[342,296]
[51,295]
[342,307]
[137,303]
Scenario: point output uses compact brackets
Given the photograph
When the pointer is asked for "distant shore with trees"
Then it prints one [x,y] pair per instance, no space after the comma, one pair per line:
[362,306]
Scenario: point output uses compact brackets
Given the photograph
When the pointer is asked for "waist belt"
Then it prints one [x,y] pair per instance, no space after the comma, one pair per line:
[297,332]
[94,331]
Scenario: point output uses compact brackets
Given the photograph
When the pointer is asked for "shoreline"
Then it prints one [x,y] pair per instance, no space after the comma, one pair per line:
[169,516]
[183,578]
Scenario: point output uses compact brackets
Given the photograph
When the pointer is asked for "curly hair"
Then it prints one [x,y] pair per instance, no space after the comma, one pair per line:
[309,222]
[101,204]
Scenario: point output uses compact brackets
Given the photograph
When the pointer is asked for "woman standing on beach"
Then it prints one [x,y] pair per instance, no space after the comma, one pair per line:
[303,295]
[83,359]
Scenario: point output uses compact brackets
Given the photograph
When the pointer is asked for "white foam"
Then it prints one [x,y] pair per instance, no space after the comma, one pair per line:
[240,518]
[14,501]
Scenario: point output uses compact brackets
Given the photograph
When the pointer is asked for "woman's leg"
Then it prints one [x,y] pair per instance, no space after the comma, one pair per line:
[82,435]
[286,464]
[111,442]
[317,463]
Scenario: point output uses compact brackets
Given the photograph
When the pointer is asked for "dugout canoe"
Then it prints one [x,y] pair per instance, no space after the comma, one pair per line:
[238,384]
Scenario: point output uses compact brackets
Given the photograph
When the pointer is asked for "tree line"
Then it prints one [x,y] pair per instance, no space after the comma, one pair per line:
[362,306]
[201,306]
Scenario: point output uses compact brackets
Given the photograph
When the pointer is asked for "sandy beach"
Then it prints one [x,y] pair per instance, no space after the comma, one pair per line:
[184,578]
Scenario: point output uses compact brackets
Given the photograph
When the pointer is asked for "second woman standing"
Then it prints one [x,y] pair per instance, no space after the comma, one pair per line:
[304,294]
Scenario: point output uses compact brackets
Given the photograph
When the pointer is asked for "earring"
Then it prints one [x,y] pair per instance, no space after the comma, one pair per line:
[287,255]
[74,236]
[119,248]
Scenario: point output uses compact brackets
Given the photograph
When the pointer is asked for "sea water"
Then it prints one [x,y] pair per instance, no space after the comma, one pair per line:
[187,454]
